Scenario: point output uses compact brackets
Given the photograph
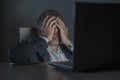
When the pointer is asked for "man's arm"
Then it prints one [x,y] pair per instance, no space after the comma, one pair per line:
[64,34]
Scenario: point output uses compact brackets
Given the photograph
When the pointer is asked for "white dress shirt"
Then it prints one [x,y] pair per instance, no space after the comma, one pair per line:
[58,55]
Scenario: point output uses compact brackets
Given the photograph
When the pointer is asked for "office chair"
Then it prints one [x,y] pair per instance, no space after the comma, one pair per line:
[25,34]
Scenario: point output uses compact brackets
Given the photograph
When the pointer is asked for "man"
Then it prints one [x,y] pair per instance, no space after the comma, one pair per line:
[53,30]
[52,45]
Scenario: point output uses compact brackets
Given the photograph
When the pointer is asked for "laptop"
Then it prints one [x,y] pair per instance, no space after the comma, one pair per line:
[96,38]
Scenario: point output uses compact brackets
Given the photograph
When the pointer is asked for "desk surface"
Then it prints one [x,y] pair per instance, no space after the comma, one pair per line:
[43,71]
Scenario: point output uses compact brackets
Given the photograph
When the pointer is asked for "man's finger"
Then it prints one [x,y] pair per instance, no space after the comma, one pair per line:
[58,25]
[44,22]
[52,23]
[49,21]
[50,26]
[60,22]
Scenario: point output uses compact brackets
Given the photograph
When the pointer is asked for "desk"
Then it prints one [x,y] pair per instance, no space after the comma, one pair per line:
[43,71]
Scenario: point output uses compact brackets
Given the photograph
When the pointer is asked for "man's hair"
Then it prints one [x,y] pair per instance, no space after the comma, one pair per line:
[46,13]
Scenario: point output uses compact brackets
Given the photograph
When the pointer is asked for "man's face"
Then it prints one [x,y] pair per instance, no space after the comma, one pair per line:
[56,34]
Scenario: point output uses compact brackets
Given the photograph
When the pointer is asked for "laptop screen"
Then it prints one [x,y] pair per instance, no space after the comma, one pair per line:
[97,36]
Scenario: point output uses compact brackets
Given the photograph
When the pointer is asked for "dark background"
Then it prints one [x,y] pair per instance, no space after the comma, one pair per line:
[17,13]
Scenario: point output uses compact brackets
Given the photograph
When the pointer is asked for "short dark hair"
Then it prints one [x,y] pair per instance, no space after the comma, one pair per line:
[49,12]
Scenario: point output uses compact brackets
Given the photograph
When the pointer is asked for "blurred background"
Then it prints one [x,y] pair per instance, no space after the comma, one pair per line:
[20,13]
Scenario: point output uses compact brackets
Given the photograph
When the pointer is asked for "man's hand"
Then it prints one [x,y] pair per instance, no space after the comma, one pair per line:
[49,25]
[63,31]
